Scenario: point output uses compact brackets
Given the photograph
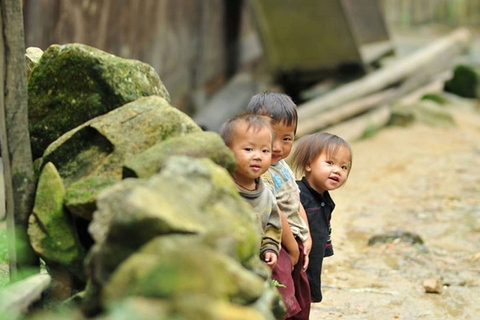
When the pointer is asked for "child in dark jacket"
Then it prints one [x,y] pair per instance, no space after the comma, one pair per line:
[324,161]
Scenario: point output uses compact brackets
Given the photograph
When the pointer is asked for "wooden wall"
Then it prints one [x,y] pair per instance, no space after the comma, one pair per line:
[412,13]
[192,44]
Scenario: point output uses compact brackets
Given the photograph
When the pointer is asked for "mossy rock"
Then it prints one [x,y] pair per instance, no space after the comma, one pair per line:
[100,146]
[189,196]
[205,144]
[74,83]
[81,196]
[51,229]
[172,266]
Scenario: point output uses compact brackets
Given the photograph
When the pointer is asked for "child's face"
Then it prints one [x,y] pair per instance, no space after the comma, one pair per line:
[252,151]
[282,141]
[328,171]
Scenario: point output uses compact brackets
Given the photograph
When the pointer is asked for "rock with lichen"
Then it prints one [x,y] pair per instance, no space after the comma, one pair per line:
[100,146]
[51,229]
[205,144]
[136,200]
[182,233]
[189,196]
[91,157]
[74,83]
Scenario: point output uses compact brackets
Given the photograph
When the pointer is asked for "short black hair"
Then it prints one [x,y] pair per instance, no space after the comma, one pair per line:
[255,121]
[277,106]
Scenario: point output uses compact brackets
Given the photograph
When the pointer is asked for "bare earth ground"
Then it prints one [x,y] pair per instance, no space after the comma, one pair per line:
[419,179]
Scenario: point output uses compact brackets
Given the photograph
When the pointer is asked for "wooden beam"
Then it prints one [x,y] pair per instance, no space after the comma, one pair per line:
[344,112]
[413,88]
[434,58]
[15,139]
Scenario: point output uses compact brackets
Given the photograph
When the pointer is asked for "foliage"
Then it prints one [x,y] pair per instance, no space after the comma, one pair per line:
[3,247]
[370,131]
[438,98]
[278,284]
[4,277]
[464,82]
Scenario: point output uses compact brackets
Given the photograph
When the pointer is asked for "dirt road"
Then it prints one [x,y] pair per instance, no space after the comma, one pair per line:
[419,179]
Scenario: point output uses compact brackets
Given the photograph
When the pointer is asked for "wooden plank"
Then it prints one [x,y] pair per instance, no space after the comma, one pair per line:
[378,117]
[15,139]
[437,57]
[413,88]
[343,113]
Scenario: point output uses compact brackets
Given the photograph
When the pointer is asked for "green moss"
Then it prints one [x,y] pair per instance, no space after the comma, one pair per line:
[196,145]
[4,275]
[89,147]
[51,229]
[88,187]
[74,83]
[435,97]
[370,131]
[3,247]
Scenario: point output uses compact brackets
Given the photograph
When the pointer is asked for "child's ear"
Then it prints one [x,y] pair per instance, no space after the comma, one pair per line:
[308,168]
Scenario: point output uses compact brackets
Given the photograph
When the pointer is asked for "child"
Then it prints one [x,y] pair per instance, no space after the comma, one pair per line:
[281,111]
[249,137]
[324,161]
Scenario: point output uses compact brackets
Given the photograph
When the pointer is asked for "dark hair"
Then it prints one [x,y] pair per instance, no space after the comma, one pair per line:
[255,121]
[277,106]
[309,147]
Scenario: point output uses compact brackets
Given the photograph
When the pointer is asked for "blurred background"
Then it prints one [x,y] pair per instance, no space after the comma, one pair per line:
[198,47]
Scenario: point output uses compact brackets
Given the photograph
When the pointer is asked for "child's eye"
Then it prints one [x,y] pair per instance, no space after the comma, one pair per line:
[345,168]
[248,149]
[287,139]
[329,162]
[266,150]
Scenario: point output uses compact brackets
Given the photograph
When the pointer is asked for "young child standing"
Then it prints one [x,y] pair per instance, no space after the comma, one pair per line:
[281,111]
[249,137]
[324,161]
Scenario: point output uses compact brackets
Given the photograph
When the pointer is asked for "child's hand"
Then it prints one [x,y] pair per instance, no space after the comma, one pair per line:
[306,261]
[307,247]
[270,259]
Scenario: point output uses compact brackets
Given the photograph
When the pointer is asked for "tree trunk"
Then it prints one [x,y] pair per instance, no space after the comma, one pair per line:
[15,139]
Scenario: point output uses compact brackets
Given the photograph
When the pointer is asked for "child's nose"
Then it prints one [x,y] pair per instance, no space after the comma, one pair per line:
[257,154]
[276,146]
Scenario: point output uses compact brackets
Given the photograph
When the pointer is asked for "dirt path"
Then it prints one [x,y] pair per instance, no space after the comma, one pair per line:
[419,179]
